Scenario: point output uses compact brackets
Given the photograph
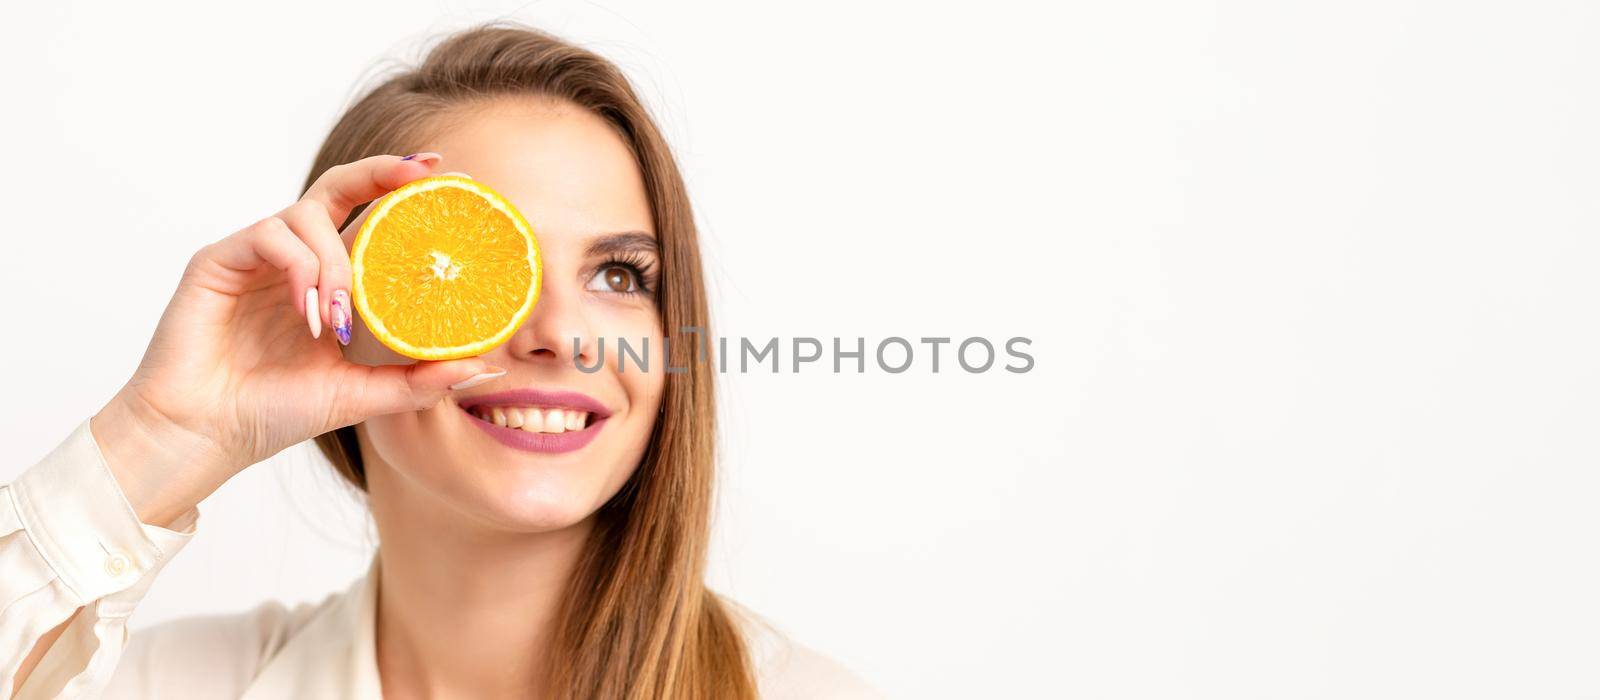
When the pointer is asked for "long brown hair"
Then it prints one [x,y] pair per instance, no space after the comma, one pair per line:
[638,621]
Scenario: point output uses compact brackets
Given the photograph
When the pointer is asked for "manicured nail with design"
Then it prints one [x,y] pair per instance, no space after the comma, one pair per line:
[339,310]
[477,379]
[425,157]
[313,312]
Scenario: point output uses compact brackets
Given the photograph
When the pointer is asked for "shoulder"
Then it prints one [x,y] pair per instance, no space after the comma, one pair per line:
[786,669]
[161,660]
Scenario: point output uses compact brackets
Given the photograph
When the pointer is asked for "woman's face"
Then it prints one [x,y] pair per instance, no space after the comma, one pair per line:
[576,182]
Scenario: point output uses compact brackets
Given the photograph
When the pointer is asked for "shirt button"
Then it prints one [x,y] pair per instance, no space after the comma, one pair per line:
[116,564]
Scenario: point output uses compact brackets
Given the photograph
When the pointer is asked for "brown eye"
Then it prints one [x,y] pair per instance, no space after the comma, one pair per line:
[614,278]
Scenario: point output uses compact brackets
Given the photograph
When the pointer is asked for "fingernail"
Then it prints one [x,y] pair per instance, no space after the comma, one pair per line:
[477,379]
[340,312]
[313,312]
[425,157]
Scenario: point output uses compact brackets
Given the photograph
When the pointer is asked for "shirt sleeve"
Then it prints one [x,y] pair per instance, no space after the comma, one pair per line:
[69,539]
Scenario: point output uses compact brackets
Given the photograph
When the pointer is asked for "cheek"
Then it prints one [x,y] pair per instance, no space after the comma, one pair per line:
[640,329]
[645,388]
[392,439]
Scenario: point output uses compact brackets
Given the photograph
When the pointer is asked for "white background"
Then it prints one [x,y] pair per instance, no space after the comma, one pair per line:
[1310,288]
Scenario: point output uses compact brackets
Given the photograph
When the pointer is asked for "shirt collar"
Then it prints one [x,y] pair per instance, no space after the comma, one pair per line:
[334,654]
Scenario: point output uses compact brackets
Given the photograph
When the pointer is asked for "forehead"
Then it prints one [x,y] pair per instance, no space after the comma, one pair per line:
[562,166]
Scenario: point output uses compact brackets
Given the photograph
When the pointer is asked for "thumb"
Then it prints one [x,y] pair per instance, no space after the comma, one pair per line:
[394,388]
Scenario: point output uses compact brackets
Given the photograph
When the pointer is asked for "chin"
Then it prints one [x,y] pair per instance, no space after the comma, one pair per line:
[481,481]
[529,497]
[539,503]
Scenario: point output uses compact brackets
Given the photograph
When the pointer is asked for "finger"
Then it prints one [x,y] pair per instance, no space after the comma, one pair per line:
[269,242]
[343,187]
[311,224]
[382,389]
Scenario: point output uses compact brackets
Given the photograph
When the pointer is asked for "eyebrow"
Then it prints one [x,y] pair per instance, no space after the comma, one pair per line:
[624,242]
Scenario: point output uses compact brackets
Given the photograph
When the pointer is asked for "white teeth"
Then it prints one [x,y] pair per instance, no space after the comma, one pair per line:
[534,420]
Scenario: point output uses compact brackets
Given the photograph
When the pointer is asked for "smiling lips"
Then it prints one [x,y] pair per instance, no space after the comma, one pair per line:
[537,421]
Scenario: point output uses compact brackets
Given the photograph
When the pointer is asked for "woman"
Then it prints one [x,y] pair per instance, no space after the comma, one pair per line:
[569,569]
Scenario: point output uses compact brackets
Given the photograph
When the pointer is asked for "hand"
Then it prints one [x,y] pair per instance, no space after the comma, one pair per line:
[239,369]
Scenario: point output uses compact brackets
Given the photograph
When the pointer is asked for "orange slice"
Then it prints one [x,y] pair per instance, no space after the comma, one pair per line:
[444,267]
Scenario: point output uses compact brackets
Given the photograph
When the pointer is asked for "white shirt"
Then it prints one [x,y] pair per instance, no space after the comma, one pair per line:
[70,539]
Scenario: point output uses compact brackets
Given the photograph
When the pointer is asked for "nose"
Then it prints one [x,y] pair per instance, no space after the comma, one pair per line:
[556,331]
